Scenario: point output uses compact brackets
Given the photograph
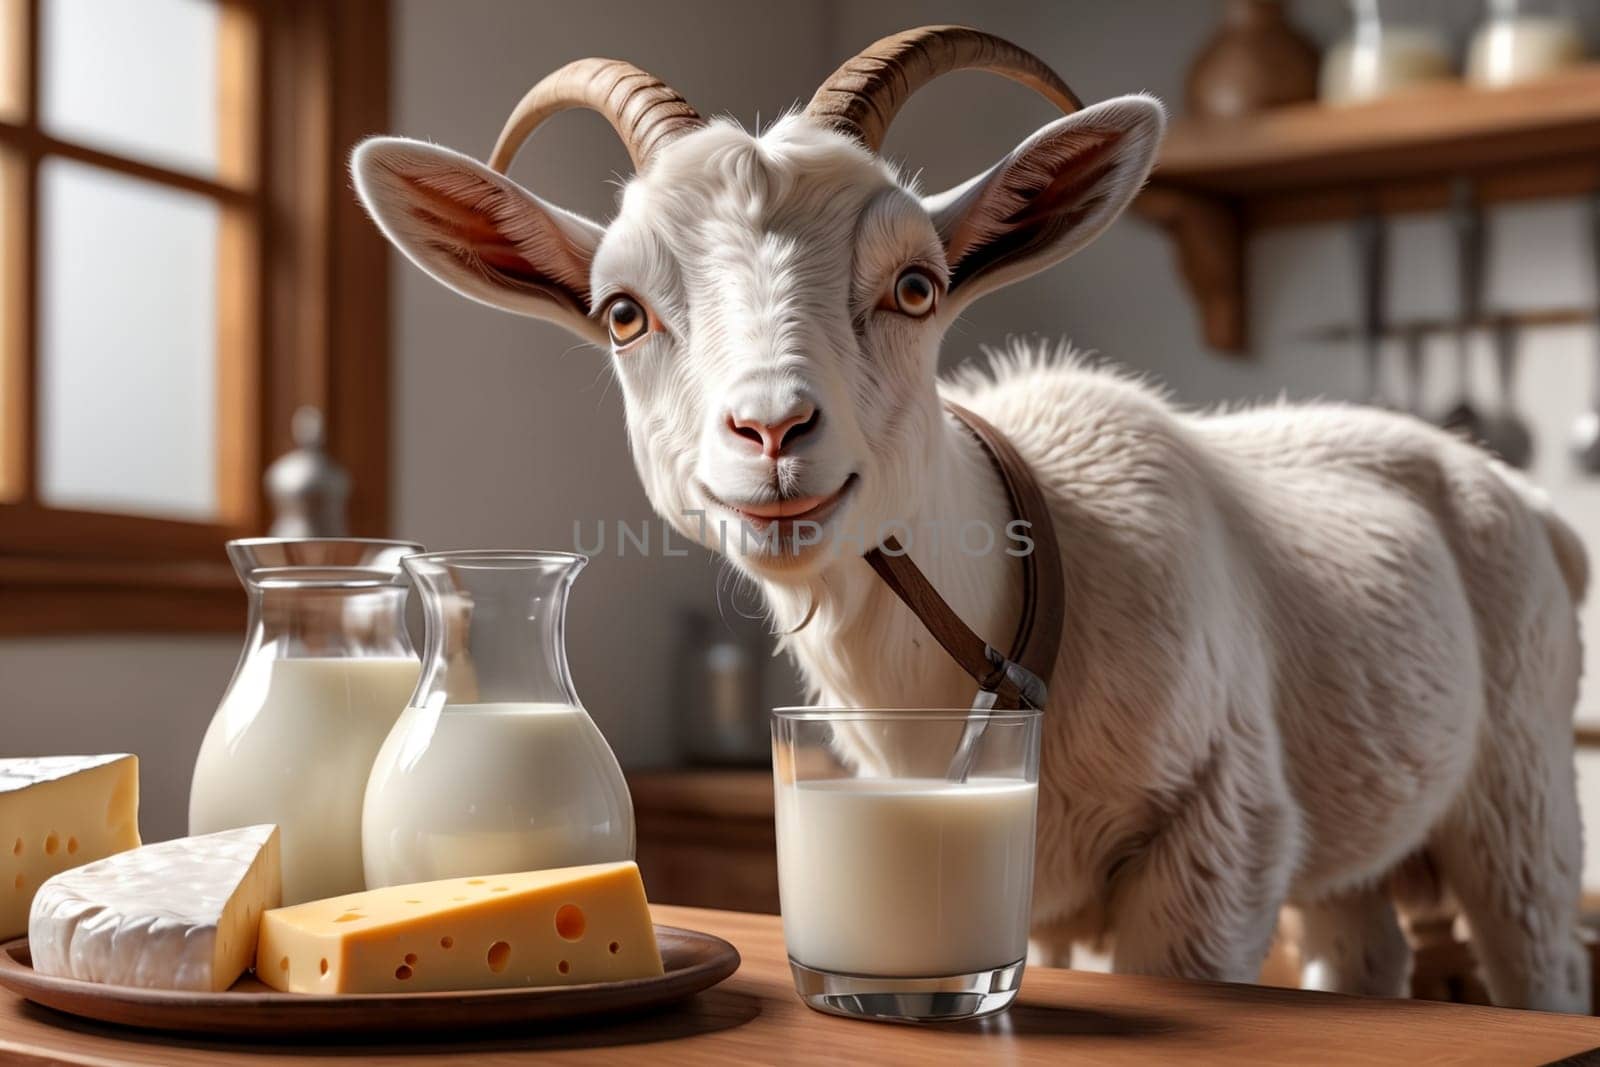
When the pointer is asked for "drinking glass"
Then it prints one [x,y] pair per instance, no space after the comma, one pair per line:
[905,883]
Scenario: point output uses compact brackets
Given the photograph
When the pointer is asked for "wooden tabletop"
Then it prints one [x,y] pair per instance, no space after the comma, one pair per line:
[754,1018]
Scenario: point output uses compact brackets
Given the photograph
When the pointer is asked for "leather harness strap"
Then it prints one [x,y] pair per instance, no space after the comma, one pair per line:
[1021,677]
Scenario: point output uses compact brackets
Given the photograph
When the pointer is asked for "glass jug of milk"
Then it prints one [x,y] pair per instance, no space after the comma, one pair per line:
[1523,40]
[326,670]
[1393,46]
[495,766]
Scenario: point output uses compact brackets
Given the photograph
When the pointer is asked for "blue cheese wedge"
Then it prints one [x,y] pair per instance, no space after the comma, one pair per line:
[58,812]
[181,914]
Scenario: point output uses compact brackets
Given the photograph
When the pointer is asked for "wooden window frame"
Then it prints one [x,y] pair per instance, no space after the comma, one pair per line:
[303,318]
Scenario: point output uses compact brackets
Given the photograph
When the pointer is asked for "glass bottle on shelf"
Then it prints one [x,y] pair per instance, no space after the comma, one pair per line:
[326,670]
[1524,40]
[495,767]
[1393,46]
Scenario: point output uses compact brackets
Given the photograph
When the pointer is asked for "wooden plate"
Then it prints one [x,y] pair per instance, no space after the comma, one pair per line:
[693,961]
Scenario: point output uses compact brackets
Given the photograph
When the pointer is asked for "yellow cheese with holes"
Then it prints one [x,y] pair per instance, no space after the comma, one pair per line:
[58,812]
[555,927]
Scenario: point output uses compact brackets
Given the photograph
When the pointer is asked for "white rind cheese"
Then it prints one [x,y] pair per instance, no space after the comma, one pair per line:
[180,914]
[58,812]
[24,772]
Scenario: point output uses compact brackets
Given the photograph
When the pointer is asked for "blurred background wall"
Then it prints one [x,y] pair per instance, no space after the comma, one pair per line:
[505,432]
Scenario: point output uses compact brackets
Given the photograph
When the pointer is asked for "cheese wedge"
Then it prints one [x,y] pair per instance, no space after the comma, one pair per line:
[58,812]
[176,915]
[555,927]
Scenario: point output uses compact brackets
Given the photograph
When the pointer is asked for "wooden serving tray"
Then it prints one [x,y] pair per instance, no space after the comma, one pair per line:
[693,961]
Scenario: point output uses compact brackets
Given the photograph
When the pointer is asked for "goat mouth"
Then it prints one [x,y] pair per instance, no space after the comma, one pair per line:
[787,511]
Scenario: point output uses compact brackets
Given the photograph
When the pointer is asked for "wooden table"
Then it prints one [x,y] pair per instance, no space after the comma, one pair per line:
[1061,1017]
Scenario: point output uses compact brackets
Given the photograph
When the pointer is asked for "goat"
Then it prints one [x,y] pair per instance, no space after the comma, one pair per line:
[1304,643]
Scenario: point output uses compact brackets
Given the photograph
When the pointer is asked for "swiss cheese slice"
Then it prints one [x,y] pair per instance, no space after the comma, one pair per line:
[553,927]
[175,915]
[58,812]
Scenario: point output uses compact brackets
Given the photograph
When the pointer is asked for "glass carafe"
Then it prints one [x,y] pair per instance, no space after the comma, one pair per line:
[326,670]
[1393,46]
[1524,40]
[495,767]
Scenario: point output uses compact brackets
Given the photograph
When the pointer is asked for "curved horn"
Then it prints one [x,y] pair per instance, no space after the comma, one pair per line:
[862,97]
[643,110]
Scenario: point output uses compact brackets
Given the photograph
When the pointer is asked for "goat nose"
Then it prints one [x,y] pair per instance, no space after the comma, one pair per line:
[774,437]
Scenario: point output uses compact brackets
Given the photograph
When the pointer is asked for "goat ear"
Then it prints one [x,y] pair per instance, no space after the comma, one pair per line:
[478,232]
[1051,196]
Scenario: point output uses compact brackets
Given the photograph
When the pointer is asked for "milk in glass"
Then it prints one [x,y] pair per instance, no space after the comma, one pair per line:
[326,670]
[294,747]
[493,788]
[1511,47]
[496,767]
[911,877]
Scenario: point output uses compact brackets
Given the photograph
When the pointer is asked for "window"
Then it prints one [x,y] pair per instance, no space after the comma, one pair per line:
[181,266]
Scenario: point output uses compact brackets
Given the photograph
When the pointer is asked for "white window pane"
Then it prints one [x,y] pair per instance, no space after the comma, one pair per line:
[128,368]
[134,77]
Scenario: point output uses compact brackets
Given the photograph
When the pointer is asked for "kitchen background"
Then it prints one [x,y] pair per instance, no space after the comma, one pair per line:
[503,432]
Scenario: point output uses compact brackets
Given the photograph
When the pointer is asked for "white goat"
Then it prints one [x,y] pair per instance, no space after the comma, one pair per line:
[1303,643]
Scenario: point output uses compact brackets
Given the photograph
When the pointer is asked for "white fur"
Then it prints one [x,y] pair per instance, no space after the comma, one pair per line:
[1302,643]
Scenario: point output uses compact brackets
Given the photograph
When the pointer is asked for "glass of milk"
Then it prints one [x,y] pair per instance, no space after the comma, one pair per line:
[495,767]
[326,670]
[905,885]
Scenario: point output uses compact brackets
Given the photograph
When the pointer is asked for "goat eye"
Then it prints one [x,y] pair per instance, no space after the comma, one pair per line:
[626,320]
[914,293]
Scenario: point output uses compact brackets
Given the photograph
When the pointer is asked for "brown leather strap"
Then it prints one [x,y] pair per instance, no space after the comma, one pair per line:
[1037,640]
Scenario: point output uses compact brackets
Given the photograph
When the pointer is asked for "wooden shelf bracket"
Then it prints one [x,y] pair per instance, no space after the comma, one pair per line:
[1208,239]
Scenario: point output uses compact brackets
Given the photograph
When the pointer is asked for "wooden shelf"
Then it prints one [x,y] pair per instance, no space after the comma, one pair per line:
[1219,180]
